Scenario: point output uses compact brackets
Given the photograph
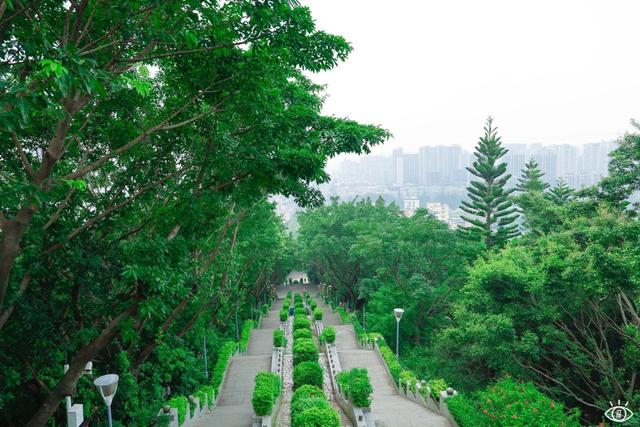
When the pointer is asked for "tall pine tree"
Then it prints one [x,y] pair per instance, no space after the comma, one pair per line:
[560,193]
[492,213]
[531,179]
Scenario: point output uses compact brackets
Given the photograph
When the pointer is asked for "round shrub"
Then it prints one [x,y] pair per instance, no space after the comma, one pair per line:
[264,308]
[284,315]
[317,314]
[304,350]
[307,373]
[278,338]
[302,405]
[300,310]
[301,324]
[307,391]
[316,417]
[302,333]
[313,304]
[265,393]
[329,335]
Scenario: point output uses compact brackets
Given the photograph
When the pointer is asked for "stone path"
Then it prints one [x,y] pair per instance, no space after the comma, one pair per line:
[388,408]
[234,408]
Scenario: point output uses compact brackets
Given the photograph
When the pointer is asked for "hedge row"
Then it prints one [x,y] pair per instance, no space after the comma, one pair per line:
[356,386]
[317,314]
[310,408]
[265,393]
[180,403]
[245,334]
[227,350]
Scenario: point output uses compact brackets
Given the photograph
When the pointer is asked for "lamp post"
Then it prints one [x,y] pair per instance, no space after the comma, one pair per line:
[398,313]
[107,386]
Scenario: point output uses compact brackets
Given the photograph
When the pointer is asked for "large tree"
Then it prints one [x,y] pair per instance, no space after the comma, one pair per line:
[143,139]
[531,179]
[492,213]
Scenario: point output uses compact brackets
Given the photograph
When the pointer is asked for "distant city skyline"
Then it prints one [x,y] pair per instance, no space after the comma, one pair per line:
[549,72]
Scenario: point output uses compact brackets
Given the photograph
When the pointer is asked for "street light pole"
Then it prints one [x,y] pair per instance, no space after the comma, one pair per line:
[398,313]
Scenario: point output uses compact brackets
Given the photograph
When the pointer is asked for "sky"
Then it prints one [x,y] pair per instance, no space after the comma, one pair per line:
[550,72]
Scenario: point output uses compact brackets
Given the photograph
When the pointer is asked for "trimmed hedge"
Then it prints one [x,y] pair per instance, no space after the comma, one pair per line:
[227,350]
[329,335]
[247,325]
[302,333]
[181,403]
[317,314]
[437,385]
[307,373]
[313,304]
[307,391]
[210,391]
[310,408]
[301,324]
[278,338]
[464,411]
[265,392]
[356,385]
[316,416]
[264,308]
[284,315]
[304,350]
[390,357]
[300,310]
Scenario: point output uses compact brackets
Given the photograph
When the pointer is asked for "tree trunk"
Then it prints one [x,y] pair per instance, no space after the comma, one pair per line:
[76,367]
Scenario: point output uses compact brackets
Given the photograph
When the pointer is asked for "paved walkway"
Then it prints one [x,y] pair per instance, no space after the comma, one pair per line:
[388,408]
[234,408]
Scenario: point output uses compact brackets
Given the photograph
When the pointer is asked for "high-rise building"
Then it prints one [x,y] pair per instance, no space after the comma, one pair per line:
[515,159]
[411,205]
[439,210]
[567,159]
[547,162]
[441,165]
[410,173]
[398,173]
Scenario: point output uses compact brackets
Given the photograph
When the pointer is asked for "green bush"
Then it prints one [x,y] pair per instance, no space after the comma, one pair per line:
[437,385]
[304,350]
[465,412]
[210,391]
[313,304]
[278,338]
[355,383]
[302,333]
[316,416]
[344,318]
[284,315]
[300,310]
[302,405]
[407,376]
[297,298]
[317,314]
[301,324]
[227,350]
[392,362]
[307,373]
[247,325]
[289,294]
[329,335]
[264,309]
[180,403]
[511,403]
[265,392]
[202,396]
[307,391]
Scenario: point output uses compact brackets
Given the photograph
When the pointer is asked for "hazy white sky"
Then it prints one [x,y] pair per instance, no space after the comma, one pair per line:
[548,71]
